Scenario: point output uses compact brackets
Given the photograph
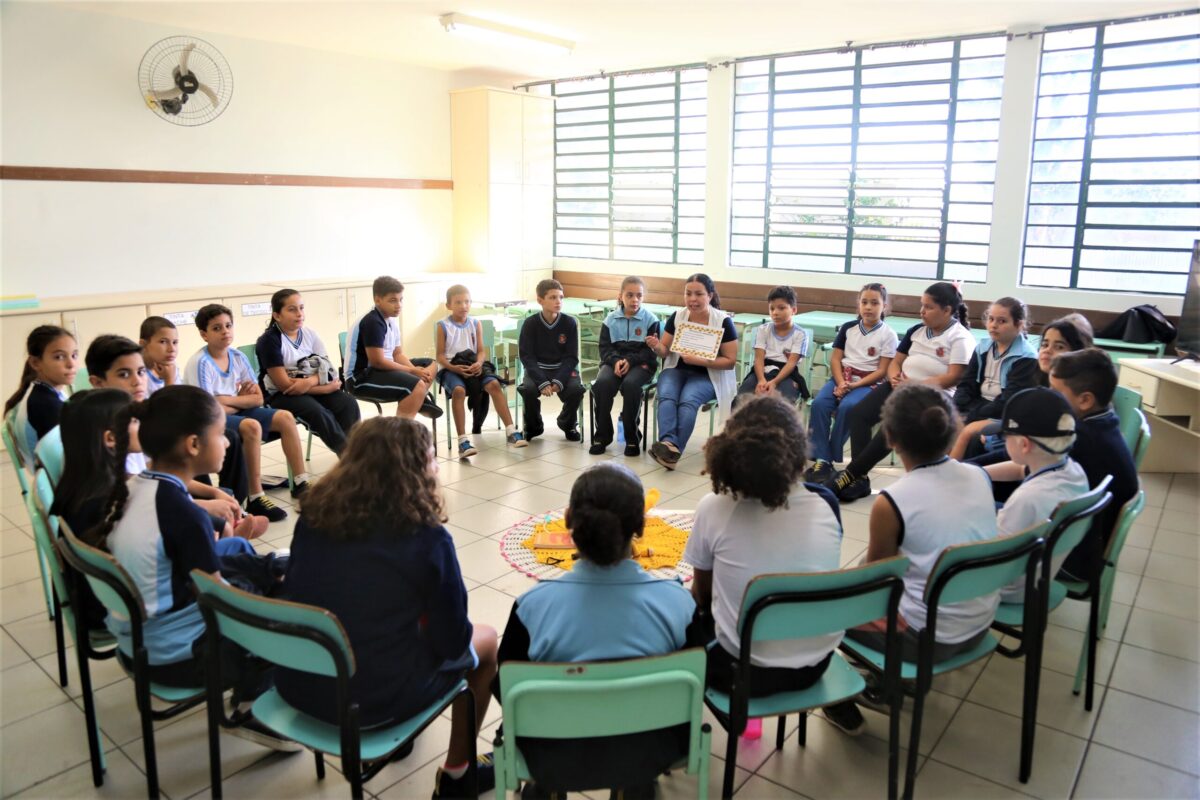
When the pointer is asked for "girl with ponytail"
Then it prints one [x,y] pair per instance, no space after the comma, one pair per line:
[51,362]
[607,607]
[935,353]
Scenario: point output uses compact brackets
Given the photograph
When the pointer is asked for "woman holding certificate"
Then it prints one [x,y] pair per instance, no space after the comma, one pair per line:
[699,349]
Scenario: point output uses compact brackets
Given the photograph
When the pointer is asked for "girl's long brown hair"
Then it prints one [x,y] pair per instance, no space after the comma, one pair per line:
[383,477]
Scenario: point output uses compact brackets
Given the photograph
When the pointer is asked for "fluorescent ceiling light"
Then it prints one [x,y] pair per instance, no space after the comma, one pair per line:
[498,31]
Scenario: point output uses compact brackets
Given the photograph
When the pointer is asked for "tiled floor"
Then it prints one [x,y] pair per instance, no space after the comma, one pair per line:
[1142,740]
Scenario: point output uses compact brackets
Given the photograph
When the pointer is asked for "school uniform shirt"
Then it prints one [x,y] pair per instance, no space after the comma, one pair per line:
[202,371]
[862,347]
[595,613]
[1033,502]
[738,540]
[373,330]
[930,355]
[154,383]
[276,349]
[549,351]
[777,349]
[991,378]
[400,597]
[623,337]
[459,337]
[37,414]
[159,540]
[941,504]
[136,463]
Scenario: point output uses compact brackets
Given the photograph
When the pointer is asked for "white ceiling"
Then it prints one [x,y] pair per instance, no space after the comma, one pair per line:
[610,34]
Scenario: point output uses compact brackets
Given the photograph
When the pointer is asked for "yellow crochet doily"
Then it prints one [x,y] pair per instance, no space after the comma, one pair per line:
[660,545]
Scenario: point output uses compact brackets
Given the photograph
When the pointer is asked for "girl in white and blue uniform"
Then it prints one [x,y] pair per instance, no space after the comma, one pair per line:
[51,362]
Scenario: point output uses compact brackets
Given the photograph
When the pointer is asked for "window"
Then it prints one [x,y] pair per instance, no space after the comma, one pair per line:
[1114,192]
[872,161]
[629,167]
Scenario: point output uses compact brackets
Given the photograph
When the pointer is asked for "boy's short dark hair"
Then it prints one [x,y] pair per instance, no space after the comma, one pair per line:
[208,313]
[1087,370]
[385,285]
[785,293]
[152,325]
[105,349]
[544,287]
[457,288]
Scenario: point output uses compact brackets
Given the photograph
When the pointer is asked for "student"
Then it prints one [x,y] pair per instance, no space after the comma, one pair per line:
[779,347]
[861,352]
[52,359]
[1063,335]
[626,365]
[688,382]
[375,363]
[1038,430]
[154,530]
[548,347]
[224,372]
[114,362]
[298,376]
[159,339]
[1001,366]
[465,372]
[935,353]
[762,518]
[370,547]
[937,503]
[1087,379]
[606,608]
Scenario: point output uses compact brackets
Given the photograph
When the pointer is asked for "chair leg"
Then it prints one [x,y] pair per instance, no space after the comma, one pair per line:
[308,452]
[780,725]
[319,757]
[142,690]
[1093,640]
[215,708]
[645,420]
[914,736]
[802,731]
[731,748]
[60,641]
[1029,712]
[95,752]
[896,702]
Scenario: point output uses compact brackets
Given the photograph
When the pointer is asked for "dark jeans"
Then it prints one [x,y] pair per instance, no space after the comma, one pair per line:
[867,449]
[723,665]
[604,391]
[329,416]
[571,395]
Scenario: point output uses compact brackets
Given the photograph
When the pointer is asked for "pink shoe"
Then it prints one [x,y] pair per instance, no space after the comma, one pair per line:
[251,527]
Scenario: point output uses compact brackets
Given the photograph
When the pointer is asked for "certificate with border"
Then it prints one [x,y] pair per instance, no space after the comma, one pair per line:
[699,341]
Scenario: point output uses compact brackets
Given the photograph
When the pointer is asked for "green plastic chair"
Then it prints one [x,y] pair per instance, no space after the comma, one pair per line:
[90,645]
[780,607]
[116,590]
[1143,441]
[81,381]
[587,385]
[251,353]
[1128,403]
[1066,528]
[577,701]
[965,572]
[489,342]
[22,464]
[309,639]
[48,455]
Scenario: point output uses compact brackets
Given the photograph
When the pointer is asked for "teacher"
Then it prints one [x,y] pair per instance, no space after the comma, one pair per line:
[687,382]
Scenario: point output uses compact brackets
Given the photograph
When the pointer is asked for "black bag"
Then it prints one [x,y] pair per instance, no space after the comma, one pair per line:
[1140,325]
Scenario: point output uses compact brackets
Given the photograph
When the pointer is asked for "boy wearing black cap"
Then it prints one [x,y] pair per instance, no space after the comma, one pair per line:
[1039,430]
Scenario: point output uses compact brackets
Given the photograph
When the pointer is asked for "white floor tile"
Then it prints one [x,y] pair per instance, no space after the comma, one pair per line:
[535,499]
[1153,731]
[1167,679]
[938,781]
[1112,775]
[1000,687]
[25,690]
[1163,633]
[42,746]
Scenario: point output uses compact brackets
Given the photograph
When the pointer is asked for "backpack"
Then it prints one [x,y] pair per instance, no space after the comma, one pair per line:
[1140,325]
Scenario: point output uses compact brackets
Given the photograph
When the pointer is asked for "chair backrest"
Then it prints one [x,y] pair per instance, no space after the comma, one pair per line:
[574,701]
[81,381]
[292,635]
[1072,519]
[45,531]
[1127,403]
[1125,519]
[15,454]
[251,353]
[489,335]
[48,455]
[795,606]
[109,581]
[1143,441]
[342,347]
[971,570]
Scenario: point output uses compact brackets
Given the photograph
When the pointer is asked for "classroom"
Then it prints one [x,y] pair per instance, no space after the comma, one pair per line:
[870,330]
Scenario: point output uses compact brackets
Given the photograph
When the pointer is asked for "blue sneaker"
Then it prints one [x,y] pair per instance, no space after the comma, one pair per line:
[466,449]
[517,440]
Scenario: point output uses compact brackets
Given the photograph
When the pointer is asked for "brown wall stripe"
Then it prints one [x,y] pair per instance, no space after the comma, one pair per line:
[222,178]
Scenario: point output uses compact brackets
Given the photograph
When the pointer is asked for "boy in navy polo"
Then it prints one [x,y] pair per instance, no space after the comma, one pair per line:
[549,351]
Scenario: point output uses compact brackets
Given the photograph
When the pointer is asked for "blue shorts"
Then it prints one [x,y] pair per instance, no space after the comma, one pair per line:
[261,414]
[452,380]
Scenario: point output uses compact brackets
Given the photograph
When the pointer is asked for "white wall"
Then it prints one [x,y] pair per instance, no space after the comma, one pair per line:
[70,99]
[1012,172]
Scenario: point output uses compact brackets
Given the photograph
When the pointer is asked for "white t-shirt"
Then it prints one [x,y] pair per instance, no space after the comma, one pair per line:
[942,504]
[862,347]
[276,349]
[1033,502]
[779,348]
[738,540]
[135,463]
[154,383]
[202,371]
[931,355]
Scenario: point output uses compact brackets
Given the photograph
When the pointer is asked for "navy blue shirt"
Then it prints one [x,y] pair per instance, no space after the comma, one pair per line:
[400,596]
[549,351]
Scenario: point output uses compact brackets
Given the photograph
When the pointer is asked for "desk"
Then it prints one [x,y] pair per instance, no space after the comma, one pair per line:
[1171,402]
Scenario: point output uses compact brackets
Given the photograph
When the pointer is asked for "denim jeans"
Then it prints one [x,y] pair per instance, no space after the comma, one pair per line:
[681,393]
[826,408]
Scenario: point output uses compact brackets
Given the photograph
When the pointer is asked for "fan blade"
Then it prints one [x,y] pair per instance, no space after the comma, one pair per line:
[209,93]
[183,58]
[164,94]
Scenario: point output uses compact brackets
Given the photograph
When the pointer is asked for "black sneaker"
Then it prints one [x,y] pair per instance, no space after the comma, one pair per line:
[633,450]
[300,488]
[265,507]
[445,786]
[819,472]
[846,717]
[532,432]
[853,489]
[430,409]
[647,791]
[573,435]
[254,731]
[597,448]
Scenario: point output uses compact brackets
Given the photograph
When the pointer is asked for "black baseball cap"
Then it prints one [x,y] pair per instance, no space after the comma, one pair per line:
[1039,412]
